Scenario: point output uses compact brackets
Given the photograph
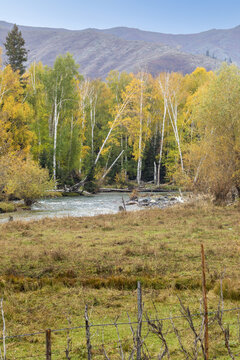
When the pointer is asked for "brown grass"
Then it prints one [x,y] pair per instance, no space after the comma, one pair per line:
[164,245]
[50,268]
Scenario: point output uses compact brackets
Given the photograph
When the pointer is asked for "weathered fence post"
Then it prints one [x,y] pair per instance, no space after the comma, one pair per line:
[89,346]
[139,329]
[48,345]
[204,289]
[3,332]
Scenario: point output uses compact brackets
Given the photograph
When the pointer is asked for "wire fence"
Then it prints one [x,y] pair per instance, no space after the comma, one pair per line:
[122,347]
[186,336]
[199,314]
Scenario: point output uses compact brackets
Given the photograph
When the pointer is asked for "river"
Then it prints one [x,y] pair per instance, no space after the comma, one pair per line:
[103,203]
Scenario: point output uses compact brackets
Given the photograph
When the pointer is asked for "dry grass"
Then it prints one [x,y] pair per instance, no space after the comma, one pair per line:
[161,245]
[50,268]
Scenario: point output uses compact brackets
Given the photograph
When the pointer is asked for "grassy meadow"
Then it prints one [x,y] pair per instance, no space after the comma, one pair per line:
[50,269]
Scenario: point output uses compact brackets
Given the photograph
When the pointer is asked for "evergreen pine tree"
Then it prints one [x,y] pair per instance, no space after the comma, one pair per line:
[15,50]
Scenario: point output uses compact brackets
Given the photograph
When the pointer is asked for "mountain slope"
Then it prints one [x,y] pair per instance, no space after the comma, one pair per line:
[98,52]
[223,44]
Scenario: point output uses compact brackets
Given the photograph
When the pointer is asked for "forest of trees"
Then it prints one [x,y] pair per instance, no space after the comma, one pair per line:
[171,128]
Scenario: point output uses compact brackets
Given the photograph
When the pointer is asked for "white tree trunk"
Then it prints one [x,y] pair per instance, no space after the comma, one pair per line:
[70,146]
[126,158]
[161,144]
[119,113]
[173,119]
[171,104]
[139,165]
[84,92]
[154,173]
[122,159]
[55,128]
[109,169]
[93,121]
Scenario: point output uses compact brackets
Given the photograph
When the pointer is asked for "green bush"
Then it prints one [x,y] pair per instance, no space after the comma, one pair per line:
[6,207]
[23,178]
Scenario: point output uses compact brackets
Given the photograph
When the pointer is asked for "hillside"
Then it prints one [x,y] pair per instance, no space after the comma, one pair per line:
[223,44]
[98,52]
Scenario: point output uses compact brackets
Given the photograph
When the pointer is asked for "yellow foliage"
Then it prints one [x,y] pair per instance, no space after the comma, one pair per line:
[137,118]
[121,179]
[106,150]
[212,160]
[15,113]
[85,151]
[23,178]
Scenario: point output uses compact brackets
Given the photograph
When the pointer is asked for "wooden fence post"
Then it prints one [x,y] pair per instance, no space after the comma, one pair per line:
[48,345]
[139,329]
[89,346]
[204,289]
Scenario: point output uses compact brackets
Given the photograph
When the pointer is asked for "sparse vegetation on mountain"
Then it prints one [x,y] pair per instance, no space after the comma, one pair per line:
[98,52]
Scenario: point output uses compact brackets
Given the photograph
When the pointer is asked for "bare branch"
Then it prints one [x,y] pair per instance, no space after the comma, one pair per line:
[183,350]
[224,330]
[134,339]
[198,336]
[69,341]
[109,169]
[119,341]
[103,348]
[157,329]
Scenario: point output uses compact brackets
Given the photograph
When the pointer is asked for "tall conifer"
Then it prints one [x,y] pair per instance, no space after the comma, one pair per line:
[15,50]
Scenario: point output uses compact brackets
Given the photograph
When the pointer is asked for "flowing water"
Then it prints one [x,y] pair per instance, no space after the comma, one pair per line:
[103,203]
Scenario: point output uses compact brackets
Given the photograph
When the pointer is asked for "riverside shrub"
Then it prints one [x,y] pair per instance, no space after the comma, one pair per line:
[23,178]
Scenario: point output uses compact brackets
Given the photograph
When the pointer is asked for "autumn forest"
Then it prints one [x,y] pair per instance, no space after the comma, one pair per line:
[75,271]
[172,128]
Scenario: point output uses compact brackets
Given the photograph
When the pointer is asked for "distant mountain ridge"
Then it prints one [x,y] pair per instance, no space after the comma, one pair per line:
[126,49]
[223,44]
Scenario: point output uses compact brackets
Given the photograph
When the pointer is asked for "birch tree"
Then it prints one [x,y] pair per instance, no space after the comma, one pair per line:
[61,92]
[117,83]
[117,113]
[93,98]
[163,84]
[15,113]
[172,90]
[136,119]
[213,157]
[83,88]
[36,96]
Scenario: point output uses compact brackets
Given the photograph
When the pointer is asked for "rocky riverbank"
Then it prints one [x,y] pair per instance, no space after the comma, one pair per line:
[160,201]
